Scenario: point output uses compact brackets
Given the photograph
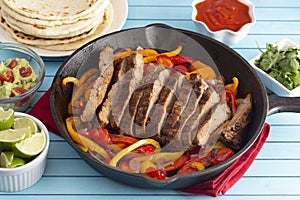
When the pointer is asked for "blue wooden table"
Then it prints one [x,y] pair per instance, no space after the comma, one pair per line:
[275,174]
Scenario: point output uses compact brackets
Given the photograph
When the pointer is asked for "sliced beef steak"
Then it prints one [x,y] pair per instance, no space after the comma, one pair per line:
[232,133]
[135,60]
[123,90]
[100,87]
[218,115]
[143,99]
[162,107]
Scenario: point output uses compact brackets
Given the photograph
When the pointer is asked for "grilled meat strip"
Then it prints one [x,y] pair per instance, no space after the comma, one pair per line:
[100,86]
[132,61]
[123,90]
[153,82]
[219,114]
[133,119]
[163,107]
[232,133]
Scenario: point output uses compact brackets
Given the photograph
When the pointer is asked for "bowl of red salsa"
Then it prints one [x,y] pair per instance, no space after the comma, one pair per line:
[228,21]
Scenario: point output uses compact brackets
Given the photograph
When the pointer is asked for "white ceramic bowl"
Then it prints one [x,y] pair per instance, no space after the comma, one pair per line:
[226,36]
[271,83]
[22,177]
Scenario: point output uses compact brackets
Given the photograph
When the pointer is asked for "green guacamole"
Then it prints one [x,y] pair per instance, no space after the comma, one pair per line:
[16,76]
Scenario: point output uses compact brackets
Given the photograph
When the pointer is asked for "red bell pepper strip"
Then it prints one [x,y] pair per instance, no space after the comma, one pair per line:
[156,173]
[177,163]
[122,139]
[181,68]
[231,100]
[164,60]
[188,165]
[100,136]
[176,60]
[220,155]
[146,149]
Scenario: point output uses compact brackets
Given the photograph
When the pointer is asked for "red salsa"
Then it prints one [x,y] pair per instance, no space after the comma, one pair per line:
[223,14]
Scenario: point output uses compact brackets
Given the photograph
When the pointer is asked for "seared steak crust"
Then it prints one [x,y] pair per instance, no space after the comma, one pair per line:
[154,102]
[100,86]
[232,133]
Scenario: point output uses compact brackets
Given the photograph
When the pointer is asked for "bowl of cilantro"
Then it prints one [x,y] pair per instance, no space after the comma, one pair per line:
[278,66]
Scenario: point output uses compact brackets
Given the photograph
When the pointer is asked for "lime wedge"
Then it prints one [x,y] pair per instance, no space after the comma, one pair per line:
[10,137]
[6,159]
[22,122]
[17,162]
[6,118]
[31,146]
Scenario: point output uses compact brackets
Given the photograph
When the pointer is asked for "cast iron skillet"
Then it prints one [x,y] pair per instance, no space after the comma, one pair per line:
[159,36]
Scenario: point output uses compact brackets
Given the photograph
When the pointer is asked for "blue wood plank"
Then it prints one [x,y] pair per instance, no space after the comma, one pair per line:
[266,186]
[259,168]
[146,197]
[274,168]
[69,167]
[51,67]
[96,186]
[284,119]
[277,151]
[257,3]
[61,150]
[184,13]
[284,134]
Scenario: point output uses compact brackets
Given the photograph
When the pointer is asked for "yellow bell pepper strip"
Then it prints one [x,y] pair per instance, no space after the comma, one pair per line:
[119,155]
[152,58]
[71,122]
[70,79]
[233,86]
[166,156]
[219,145]
[197,165]
[94,147]
[238,101]
[198,65]
[146,165]
[144,52]
[83,78]
[207,73]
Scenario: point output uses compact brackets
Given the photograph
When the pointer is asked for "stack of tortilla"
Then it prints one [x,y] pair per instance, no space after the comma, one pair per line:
[56,24]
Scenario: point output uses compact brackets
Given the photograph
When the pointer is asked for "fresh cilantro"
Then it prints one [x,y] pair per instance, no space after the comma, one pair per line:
[282,65]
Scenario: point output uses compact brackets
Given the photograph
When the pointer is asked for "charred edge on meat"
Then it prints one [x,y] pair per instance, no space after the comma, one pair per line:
[232,134]
[104,112]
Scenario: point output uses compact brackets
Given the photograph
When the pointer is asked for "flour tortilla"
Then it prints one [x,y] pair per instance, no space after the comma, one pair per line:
[40,22]
[53,9]
[61,31]
[64,44]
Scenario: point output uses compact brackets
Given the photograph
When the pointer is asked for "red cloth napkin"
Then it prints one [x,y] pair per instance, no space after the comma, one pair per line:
[220,184]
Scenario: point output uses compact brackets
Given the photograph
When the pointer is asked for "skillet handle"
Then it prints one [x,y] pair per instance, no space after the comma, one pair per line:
[279,104]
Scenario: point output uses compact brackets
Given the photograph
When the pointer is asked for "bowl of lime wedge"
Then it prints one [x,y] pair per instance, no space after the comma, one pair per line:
[24,144]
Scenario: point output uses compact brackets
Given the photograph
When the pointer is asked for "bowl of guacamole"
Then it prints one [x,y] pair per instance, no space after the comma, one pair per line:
[22,73]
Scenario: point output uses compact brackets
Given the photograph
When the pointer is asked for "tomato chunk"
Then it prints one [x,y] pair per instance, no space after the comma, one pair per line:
[7,76]
[25,71]
[156,173]
[13,63]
